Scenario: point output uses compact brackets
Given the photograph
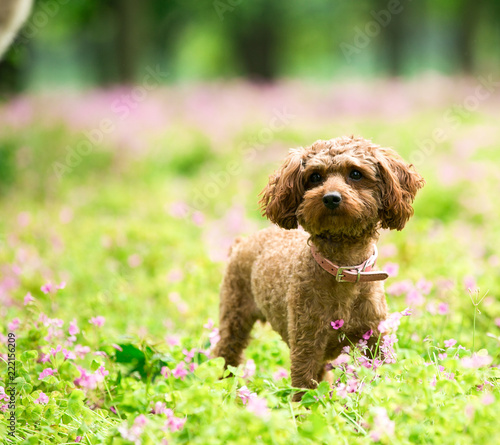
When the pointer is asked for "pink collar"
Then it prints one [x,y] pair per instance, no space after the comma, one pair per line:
[351,274]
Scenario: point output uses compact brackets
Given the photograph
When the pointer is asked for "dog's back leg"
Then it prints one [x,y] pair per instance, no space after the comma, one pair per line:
[238,313]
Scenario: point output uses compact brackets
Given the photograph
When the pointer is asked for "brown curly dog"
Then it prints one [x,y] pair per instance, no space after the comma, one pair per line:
[341,192]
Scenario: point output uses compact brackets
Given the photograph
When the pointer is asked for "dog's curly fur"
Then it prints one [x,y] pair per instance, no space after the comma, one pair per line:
[272,275]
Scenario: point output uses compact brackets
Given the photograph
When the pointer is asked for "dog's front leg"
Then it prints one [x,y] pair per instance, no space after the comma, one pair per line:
[308,341]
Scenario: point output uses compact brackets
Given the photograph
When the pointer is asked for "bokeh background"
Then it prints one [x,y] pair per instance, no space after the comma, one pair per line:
[96,43]
[135,137]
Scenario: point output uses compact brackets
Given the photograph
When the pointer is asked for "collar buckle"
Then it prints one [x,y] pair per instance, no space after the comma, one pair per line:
[339,276]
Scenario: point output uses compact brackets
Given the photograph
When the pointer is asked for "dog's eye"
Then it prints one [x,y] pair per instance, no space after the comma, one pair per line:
[315,178]
[356,175]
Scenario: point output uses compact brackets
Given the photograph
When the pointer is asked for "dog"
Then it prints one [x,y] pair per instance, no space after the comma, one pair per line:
[342,192]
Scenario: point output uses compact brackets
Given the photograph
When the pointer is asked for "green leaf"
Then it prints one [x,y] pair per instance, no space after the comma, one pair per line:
[211,370]
[75,402]
[29,355]
[95,365]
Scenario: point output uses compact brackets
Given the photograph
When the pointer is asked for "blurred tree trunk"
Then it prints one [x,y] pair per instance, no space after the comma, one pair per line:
[254,32]
[392,32]
[469,18]
[256,50]
[394,35]
[128,18]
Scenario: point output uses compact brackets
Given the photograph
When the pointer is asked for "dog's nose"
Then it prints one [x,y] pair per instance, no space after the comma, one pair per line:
[332,200]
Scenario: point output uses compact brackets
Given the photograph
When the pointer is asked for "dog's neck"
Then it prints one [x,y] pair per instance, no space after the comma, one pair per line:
[345,250]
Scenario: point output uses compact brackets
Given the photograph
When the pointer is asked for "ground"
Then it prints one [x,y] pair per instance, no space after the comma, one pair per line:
[118,207]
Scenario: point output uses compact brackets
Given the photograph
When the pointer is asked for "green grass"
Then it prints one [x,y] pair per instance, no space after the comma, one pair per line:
[125,231]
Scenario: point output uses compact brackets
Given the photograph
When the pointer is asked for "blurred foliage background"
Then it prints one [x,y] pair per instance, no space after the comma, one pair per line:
[100,42]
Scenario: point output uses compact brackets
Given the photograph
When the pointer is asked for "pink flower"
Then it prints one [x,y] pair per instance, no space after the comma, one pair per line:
[172,340]
[165,371]
[42,399]
[174,424]
[391,323]
[245,394]
[28,299]
[100,354]
[49,288]
[387,347]
[476,361]
[368,334]
[214,337]
[388,250]
[73,328]
[362,344]
[198,218]
[87,379]
[46,288]
[180,371]
[406,312]
[179,209]
[159,408]
[175,275]
[281,373]
[102,370]
[117,347]
[414,298]
[68,355]
[470,283]
[78,439]
[382,425]
[209,324]
[469,411]
[14,325]
[497,322]
[98,321]
[340,360]
[399,288]
[81,351]
[134,260]
[249,369]
[487,399]
[189,354]
[392,269]
[46,372]
[443,308]
[433,381]
[442,356]
[424,286]
[3,396]
[352,385]
[141,420]
[341,390]
[57,349]
[258,406]
[337,324]
[450,343]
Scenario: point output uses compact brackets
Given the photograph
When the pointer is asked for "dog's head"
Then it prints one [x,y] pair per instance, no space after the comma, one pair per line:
[342,186]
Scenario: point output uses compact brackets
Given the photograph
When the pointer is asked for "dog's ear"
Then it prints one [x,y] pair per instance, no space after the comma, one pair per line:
[284,191]
[399,185]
